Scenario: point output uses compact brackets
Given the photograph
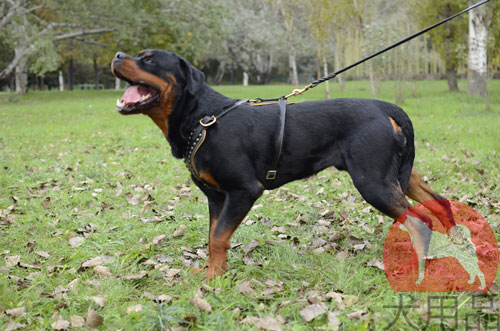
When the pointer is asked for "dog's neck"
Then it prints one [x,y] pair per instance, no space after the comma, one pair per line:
[187,112]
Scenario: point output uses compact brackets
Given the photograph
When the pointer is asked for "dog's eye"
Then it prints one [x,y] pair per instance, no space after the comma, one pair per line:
[148,60]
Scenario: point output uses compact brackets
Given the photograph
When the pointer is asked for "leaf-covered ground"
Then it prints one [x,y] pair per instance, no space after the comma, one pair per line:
[101,227]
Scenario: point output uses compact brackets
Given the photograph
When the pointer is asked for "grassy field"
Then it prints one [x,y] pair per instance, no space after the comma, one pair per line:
[99,224]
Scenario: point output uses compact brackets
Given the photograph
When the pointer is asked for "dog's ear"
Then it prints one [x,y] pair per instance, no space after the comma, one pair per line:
[193,77]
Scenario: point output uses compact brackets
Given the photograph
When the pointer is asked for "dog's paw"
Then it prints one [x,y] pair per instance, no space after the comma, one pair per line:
[213,273]
[215,270]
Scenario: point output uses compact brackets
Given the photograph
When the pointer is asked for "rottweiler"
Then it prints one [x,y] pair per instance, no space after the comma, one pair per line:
[230,156]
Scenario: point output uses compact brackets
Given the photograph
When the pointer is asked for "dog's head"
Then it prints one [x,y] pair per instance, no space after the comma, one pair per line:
[156,78]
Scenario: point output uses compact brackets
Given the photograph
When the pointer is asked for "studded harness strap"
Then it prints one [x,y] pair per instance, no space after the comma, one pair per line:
[199,134]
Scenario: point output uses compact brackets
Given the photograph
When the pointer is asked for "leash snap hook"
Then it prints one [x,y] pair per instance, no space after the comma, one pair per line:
[211,120]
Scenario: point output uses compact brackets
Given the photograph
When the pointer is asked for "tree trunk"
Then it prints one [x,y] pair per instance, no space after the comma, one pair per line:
[245,78]
[477,66]
[451,70]
[219,75]
[61,81]
[118,84]
[340,79]
[232,73]
[292,62]
[70,74]
[267,77]
[21,73]
[325,70]
[293,76]
[451,76]
[373,80]
[96,73]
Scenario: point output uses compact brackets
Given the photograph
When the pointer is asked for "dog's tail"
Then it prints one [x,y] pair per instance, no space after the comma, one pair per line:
[406,145]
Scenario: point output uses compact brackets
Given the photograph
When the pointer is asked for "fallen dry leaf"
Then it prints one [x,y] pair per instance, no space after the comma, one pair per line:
[135,200]
[264,323]
[279,229]
[98,260]
[11,326]
[16,312]
[333,320]
[245,287]
[170,273]
[314,296]
[28,266]
[12,261]
[270,290]
[58,291]
[42,254]
[73,283]
[135,308]
[100,301]
[251,246]
[45,202]
[77,321]
[164,298]
[94,320]
[357,314]
[375,263]
[158,239]
[102,271]
[140,275]
[312,311]
[60,324]
[200,303]
[179,232]
[76,241]
[342,255]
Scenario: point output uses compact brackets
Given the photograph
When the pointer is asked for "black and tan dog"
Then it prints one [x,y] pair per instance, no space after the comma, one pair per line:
[371,139]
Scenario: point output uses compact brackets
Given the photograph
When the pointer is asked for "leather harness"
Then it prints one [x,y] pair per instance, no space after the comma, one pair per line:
[198,135]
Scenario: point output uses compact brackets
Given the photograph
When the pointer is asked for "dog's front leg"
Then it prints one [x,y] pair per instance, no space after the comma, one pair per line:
[237,203]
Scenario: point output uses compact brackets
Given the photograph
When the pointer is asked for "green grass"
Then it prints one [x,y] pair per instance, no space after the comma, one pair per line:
[69,163]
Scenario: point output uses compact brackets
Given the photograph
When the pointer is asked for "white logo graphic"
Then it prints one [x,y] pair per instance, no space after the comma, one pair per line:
[439,245]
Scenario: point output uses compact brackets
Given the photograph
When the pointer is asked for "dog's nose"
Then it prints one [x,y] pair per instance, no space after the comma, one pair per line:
[120,56]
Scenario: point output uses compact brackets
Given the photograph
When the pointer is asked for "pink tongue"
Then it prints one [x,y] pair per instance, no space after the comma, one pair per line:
[134,93]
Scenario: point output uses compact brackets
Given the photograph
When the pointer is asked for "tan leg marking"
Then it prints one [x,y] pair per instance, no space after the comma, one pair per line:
[395,125]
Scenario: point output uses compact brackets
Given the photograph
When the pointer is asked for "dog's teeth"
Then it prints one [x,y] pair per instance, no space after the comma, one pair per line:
[149,95]
[119,104]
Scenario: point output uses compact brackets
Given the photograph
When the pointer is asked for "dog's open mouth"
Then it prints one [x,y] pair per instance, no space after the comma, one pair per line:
[137,97]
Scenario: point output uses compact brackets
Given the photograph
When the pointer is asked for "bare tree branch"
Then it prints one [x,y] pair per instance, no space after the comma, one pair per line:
[19,56]
[91,42]
[82,33]
[10,14]
[15,11]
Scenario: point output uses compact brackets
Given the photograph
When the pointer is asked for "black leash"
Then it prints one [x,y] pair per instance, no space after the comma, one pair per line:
[197,137]
[296,92]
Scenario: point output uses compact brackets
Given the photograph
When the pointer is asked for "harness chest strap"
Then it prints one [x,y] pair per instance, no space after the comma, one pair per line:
[199,134]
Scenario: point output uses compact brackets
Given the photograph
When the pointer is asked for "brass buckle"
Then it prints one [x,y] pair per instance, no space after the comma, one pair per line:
[212,121]
[271,175]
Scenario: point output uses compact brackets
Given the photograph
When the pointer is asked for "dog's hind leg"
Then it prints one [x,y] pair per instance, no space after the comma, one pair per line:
[381,189]
[419,191]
